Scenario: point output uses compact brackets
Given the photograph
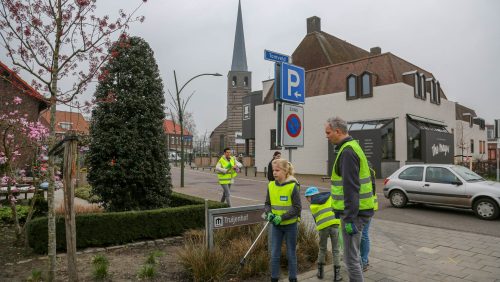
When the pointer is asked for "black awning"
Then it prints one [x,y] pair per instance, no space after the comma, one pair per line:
[427,124]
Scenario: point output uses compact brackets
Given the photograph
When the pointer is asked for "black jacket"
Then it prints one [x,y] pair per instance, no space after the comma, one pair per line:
[270,175]
[348,168]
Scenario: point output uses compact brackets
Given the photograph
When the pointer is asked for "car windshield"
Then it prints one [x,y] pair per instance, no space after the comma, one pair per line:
[467,174]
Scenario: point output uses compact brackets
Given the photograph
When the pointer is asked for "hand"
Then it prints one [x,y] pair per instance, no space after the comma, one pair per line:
[270,216]
[350,228]
[277,220]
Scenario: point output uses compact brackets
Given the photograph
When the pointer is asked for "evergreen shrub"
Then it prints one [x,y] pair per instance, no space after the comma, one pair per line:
[115,228]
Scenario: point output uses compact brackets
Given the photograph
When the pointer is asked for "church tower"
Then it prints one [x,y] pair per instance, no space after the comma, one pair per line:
[239,84]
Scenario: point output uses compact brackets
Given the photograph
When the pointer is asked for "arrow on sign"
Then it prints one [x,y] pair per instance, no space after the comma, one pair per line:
[297,94]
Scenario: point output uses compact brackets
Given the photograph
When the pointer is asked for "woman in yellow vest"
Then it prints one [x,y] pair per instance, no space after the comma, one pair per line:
[283,209]
[327,226]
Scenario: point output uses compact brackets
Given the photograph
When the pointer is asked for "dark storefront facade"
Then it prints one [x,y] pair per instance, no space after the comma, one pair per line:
[426,143]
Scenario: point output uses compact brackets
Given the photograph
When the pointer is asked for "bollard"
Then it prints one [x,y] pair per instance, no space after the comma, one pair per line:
[246,171]
[265,172]
[255,171]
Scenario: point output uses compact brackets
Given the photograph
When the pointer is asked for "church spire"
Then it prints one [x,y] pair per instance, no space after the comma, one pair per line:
[239,53]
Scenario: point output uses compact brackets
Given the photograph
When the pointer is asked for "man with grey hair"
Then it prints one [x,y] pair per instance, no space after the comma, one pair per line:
[351,192]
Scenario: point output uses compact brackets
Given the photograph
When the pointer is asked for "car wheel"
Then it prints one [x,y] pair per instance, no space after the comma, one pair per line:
[398,199]
[486,209]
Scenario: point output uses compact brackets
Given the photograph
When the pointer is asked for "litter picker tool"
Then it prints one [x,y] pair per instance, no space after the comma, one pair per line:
[242,261]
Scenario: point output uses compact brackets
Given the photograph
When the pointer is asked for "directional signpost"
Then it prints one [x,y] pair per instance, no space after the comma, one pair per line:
[276,57]
[289,90]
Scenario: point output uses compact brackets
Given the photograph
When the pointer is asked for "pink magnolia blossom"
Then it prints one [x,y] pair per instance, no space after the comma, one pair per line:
[17,100]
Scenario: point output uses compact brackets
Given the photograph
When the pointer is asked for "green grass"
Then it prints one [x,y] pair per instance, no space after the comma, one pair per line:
[153,257]
[100,264]
[36,276]
[147,271]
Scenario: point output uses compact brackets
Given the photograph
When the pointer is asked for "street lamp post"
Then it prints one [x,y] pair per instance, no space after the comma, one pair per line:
[181,114]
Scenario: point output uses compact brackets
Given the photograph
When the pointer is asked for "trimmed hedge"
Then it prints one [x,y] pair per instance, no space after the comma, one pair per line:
[115,228]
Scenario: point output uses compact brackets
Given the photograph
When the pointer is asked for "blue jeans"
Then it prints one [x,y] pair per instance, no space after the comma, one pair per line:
[288,231]
[364,246]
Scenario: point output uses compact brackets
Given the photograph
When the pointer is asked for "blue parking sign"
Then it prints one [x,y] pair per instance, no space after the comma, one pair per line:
[293,80]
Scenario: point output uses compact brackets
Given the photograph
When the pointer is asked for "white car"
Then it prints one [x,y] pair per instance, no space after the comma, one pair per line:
[447,185]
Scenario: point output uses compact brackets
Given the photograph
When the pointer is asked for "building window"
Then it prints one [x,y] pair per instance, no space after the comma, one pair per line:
[366,85]
[352,91]
[423,88]
[245,82]
[472,146]
[387,133]
[438,90]
[221,143]
[433,92]
[65,125]
[417,86]
[273,140]
[489,133]
[414,144]
[235,81]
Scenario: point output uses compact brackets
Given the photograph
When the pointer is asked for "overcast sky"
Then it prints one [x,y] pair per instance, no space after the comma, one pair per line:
[456,40]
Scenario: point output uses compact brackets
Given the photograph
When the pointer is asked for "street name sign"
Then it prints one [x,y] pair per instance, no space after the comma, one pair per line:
[230,217]
[292,86]
[292,125]
[276,57]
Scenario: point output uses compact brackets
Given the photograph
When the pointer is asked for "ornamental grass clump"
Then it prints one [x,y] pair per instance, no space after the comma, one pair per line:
[231,244]
[148,270]
[100,266]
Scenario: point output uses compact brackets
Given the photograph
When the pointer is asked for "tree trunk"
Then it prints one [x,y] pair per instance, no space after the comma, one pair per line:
[52,141]
[69,172]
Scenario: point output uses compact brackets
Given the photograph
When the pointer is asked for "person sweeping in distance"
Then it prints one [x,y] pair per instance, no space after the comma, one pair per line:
[283,209]
[327,226]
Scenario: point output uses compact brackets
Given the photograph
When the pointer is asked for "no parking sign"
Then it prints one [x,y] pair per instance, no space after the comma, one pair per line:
[292,126]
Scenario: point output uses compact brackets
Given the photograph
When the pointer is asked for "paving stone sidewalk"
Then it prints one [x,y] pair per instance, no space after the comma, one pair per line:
[407,252]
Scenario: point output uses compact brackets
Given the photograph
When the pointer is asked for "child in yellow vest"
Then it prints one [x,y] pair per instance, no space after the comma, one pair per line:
[283,209]
[327,226]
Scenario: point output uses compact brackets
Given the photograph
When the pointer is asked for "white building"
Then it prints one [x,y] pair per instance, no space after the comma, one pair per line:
[397,110]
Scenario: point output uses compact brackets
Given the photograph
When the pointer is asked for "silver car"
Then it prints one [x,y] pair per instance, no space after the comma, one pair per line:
[447,185]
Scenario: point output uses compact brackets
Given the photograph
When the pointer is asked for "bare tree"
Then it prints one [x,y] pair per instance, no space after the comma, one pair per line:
[56,41]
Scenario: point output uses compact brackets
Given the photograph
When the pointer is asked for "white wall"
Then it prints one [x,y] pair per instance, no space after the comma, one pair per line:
[388,101]
[463,136]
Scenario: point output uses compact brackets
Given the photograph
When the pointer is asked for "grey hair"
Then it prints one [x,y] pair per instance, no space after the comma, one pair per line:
[336,122]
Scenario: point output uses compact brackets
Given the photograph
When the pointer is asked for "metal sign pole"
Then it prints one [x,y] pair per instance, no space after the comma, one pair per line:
[290,154]
[498,159]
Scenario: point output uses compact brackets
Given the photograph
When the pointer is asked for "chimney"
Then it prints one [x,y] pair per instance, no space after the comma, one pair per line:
[313,24]
[375,51]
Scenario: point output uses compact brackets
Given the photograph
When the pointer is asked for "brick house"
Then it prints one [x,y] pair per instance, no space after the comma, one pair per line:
[398,111]
[32,105]
[173,132]
[67,121]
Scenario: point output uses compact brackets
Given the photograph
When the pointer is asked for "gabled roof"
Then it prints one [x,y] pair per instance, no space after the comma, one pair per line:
[460,110]
[319,49]
[386,68]
[173,128]
[75,120]
[22,85]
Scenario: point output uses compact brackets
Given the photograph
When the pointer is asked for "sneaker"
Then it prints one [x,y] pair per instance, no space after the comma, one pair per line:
[365,267]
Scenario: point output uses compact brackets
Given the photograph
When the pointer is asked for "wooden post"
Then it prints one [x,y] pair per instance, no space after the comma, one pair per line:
[69,171]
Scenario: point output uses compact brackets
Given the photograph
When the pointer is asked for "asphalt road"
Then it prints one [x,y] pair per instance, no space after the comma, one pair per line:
[251,191]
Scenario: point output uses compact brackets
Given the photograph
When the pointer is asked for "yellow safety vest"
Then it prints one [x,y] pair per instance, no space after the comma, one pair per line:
[366,201]
[281,199]
[323,215]
[225,178]
[375,199]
